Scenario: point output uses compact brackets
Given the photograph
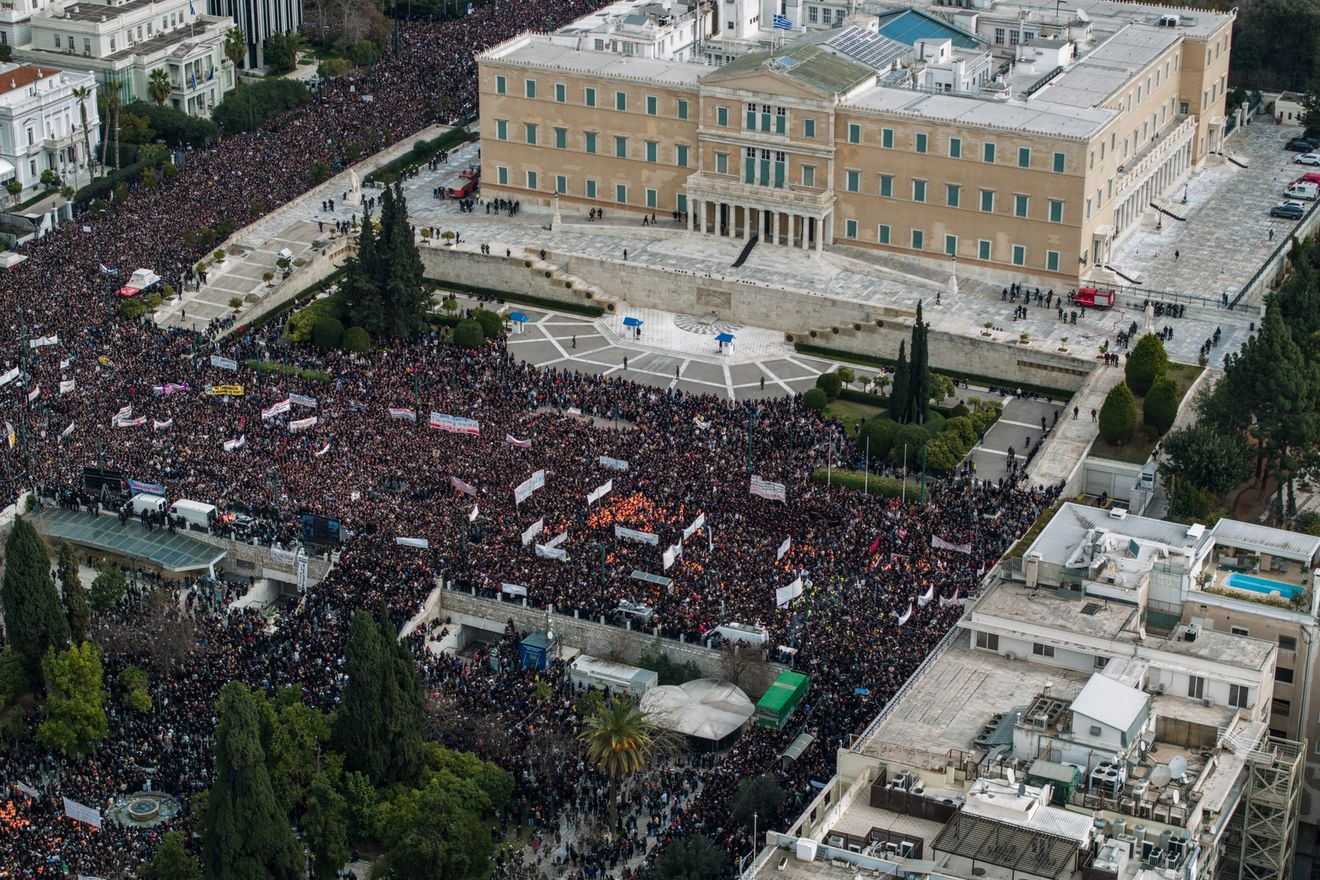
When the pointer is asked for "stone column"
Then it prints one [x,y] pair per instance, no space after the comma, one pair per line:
[820,232]
[690,218]
[747,223]
[806,232]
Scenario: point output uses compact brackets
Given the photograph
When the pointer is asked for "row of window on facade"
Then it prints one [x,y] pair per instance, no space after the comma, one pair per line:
[131,35]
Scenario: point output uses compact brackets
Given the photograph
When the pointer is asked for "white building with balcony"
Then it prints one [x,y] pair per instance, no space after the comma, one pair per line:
[125,41]
[41,124]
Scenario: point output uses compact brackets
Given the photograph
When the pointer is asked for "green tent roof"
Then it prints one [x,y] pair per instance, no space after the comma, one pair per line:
[784,690]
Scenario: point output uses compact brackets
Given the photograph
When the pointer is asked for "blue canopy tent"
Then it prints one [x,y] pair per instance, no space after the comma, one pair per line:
[724,339]
[635,324]
[519,319]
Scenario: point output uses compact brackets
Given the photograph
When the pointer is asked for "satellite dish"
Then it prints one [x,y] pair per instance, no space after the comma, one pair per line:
[1082,16]
[1160,776]
[1178,767]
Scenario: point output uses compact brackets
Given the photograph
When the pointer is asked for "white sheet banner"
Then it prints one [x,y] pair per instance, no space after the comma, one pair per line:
[34,394]
[461,486]
[472,516]
[282,557]
[768,490]
[907,615]
[696,525]
[552,552]
[524,490]
[532,531]
[223,363]
[27,790]
[67,385]
[513,589]
[407,415]
[614,464]
[514,441]
[231,445]
[41,341]
[634,535]
[323,450]
[454,424]
[67,431]
[925,598]
[302,424]
[420,543]
[125,412]
[784,548]
[161,426]
[940,544]
[784,595]
[300,400]
[944,603]
[8,376]
[557,540]
[277,409]
[599,492]
[82,813]
[132,423]
[673,553]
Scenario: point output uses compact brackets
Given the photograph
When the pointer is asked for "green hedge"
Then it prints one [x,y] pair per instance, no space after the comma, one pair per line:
[878,400]
[867,360]
[421,153]
[300,299]
[251,104]
[282,369]
[886,487]
[102,186]
[443,285]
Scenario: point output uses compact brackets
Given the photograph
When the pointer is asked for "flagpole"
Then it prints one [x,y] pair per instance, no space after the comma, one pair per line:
[866,474]
[904,472]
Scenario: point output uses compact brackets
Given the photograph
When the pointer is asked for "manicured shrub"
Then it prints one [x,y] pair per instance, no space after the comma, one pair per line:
[492,325]
[879,430]
[815,399]
[1118,415]
[327,333]
[830,383]
[1161,404]
[356,339]
[468,334]
[1147,363]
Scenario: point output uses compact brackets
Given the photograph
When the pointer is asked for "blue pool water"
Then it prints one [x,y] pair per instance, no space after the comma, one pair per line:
[1263,585]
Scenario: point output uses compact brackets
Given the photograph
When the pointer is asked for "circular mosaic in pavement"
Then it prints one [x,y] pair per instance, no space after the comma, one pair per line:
[143,809]
[705,327]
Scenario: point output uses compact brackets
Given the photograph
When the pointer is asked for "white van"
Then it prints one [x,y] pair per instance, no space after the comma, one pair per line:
[148,503]
[196,514]
[1303,190]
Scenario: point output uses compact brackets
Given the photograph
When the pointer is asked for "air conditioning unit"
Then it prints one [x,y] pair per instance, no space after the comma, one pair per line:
[1009,655]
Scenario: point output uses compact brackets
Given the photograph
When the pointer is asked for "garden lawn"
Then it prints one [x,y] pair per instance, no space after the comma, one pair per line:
[1139,449]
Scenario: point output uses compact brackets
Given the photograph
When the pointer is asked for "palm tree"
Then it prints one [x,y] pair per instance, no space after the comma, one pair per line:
[112,89]
[619,739]
[235,46]
[297,45]
[159,86]
[82,93]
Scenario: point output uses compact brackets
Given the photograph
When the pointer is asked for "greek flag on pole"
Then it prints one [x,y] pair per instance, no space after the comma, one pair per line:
[782,23]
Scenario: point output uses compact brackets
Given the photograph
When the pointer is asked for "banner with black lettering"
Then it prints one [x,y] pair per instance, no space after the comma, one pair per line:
[784,595]
[696,525]
[524,490]
[634,535]
[532,531]
[599,492]
[82,813]
[767,490]
[614,464]
[784,548]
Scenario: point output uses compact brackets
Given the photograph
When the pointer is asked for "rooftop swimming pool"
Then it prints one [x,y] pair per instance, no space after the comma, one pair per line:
[1265,586]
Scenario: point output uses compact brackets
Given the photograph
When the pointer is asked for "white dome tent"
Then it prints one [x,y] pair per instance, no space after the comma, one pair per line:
[709,711]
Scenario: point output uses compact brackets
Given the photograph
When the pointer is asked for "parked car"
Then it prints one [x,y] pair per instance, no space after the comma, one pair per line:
[1288,211]
[1301,145]
[1308,159]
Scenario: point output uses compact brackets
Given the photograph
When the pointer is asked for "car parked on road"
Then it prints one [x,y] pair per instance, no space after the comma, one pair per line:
[1288,211]
[1308,159]
[1302,145]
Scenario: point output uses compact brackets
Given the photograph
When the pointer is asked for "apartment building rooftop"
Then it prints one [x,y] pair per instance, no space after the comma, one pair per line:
[534,50]
[85,11]
[1099,74]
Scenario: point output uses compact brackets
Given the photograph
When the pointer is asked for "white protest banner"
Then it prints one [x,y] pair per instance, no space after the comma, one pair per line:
[557,540]
[67,431]
[223,363]
[696,525]
[705,426]
[132,423]
[784,548]
[161,426]
[634,535]
[231,445]
[34,394]
[532,531]
[8,376]
[925,598]
[461,486]
[41,341]
[944,603]
[125,412]
[301,424]
[67,385]
[323,450]
[82,813]
[420,543]
[398,412]
[767,490]
[513,589]
[784,595]
[614,464]
[454,424]
[599,492]
[27,790]
[514,441]
[300,400]
[552,552]
[276,409]
[524,490]
[282,557]
[906,615]
[670,555]
[472,517]
[940,544]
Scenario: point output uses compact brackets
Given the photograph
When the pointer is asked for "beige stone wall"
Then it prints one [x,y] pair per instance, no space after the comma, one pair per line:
[1204,83]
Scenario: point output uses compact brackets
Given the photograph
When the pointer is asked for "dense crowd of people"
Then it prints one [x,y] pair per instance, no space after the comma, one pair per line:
[877,595]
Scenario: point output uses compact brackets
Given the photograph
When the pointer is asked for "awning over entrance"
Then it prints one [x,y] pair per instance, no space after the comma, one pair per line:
[174,552]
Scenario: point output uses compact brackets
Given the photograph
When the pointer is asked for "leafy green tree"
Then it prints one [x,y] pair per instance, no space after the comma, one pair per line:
[15,678]
[137,695]
[492,325]
[361,805]
[619,739]
[172,861]
[356,339]
[1193,503]
[108,587]
[1160,407]
[468,334]
[759,796]
[75,595]
[325,828]
[692,858]
[75,700]
[909,441]
[247,834]
[34,621]
[830,383]
[14,188]
[327,333]
[815,399]
[1118,415]
[899,398]
[1205,456]
[876,436]
[944,453]
[1147,362]
[941,388]
[251,104]
[846,376]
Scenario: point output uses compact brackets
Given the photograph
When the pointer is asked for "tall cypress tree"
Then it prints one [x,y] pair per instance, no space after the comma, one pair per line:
[898,394]
[358,724]
[247,834]
[919,372]
[76,608]
[403,707]
[34,620]
[384,285]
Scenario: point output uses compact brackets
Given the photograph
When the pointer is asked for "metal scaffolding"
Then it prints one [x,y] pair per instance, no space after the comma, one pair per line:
[1261,834]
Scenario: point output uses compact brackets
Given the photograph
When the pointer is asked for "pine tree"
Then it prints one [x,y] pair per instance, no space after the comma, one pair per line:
[34,620]
[75,595]
[384,285]
[898,392]
[247,835]
[357,730]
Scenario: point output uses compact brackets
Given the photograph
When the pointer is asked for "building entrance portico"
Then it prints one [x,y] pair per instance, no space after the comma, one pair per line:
[781,217]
